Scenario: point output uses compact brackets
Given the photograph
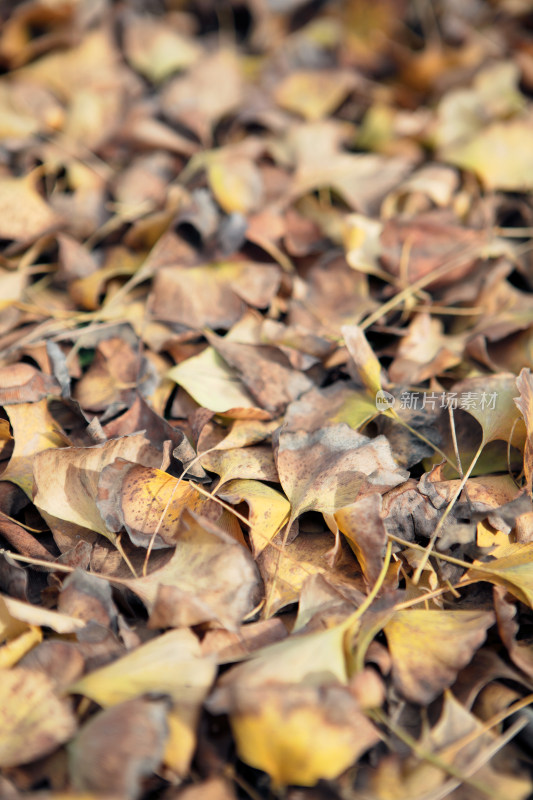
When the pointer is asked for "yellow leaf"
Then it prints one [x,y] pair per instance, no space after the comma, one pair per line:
[314,93]
[493,406]
[236,183]
[499,154]
[170,664]
[155,49]
[423,662]
[513,569]
[13,651]
[33,720]
[268,509]
[23,212]
[214,385]
[302,737]
[34,431]
[285,569]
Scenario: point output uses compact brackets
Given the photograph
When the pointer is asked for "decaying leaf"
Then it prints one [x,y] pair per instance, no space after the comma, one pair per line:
[66,480]
[362,524]
[170,664]
[265,292]
[326,469]
[134,732]
[210,577]
[35,431]
[423,663]
[148,503]
[34,720]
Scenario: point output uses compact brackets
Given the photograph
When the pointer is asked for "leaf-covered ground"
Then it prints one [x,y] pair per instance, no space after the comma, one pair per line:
[266,428]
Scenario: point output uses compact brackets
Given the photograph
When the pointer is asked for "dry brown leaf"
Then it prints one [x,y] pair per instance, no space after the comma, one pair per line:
[265,372]
[285,568]
[34,720]
[212,87]
[213,296]
[66,480]
[412,249]
[326,469]
[22,383]
[228,646]
[210,577]
[24,214]
[119,747]
[362,524]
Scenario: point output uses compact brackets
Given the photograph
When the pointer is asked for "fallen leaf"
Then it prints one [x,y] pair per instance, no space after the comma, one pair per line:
[524,403]
[313,659]
[34,430]
[255,463]
[170,664]
[265,372]
[285,568]
[214,295]
[229,646]
[118,747]
[324,470]
[519,651]
[364,364]
[213,384]
[22,383]
[66,480]
[149,503]
[423,664]
[212,87]
[268,510]
[24,214]
[330,406]
[301,738]
[513,569]
[315,93]
[499,154]
[210,577]
[362,524]
[155,49]
[34,720]
[489,399]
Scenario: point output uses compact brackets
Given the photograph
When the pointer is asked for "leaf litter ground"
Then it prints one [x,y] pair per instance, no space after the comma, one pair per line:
[266,436]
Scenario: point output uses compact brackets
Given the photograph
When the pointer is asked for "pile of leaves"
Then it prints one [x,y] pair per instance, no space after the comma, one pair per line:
[266,432]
